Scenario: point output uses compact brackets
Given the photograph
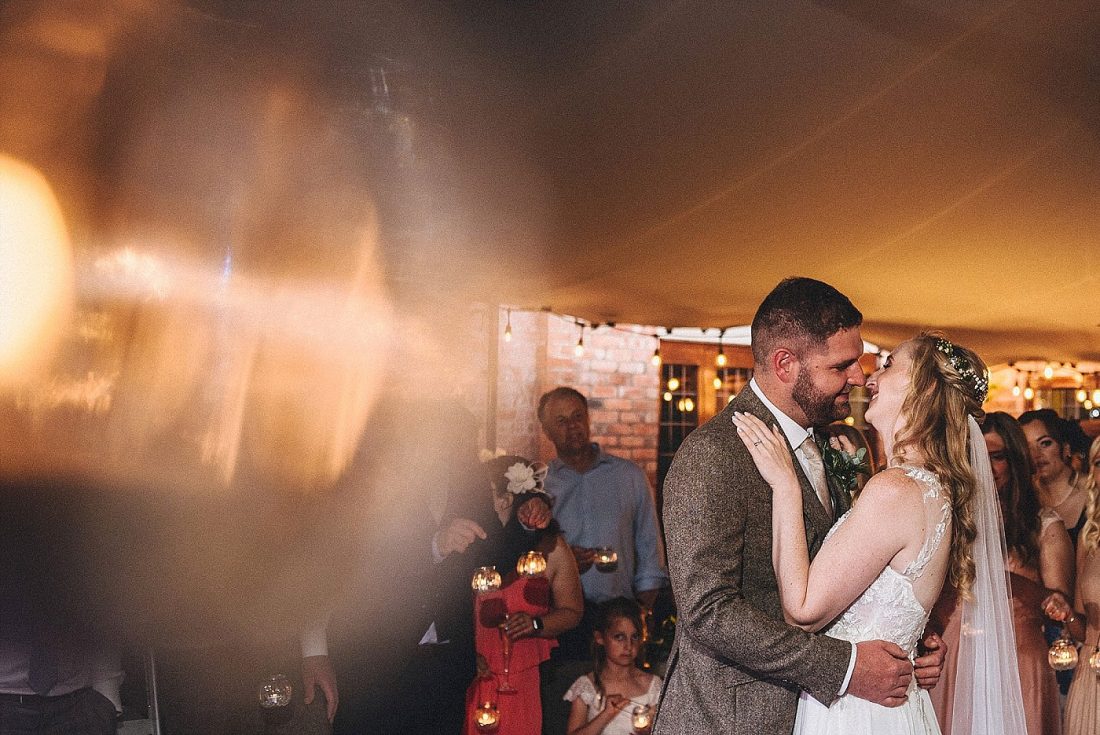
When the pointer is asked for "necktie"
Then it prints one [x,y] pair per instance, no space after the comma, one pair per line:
[816,465]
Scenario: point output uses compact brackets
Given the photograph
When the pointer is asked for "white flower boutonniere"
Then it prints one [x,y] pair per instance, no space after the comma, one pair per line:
[525,478]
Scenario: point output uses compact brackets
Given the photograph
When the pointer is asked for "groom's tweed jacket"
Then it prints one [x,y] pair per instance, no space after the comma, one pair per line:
[735,666]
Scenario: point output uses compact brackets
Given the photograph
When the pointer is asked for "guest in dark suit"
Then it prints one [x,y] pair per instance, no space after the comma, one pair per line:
[735,665]
[403,641]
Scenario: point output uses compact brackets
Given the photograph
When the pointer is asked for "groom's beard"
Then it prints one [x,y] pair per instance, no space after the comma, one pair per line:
[820,408]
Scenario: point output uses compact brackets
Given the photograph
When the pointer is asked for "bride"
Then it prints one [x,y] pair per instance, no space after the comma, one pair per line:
[930,517]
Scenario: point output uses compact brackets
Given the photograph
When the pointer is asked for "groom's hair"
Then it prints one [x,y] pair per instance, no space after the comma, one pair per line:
[800,312]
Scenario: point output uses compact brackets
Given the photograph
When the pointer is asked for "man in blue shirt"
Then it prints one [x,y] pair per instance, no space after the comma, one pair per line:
[600,501]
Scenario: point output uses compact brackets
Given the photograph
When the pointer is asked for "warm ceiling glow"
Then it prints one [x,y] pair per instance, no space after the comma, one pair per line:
[36,270]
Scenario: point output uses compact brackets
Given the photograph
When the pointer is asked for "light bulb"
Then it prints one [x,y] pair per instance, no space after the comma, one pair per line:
[508,333]
[1082,395]
[673,383]
[579,349]
[721,359]
[689,405]
[1096,396]
[667,396]
[1048,372]
[1029,393]
[1087,405]
[717,383]
[1016,390]
[656,359]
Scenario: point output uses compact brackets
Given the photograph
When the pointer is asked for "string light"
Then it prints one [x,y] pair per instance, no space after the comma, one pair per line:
[1082,395]
[1029,393]
[668,396]
[579,349]
[508,327]
[720,360]
[717,383]
[1096,396]
[1048,371]
[1016,390]
[673,383]
[655,361]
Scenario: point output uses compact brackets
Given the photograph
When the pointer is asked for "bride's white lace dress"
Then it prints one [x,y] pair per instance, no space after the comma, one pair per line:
[887,610]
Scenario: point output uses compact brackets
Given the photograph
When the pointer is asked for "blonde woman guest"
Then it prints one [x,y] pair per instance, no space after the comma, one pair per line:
[1082,620]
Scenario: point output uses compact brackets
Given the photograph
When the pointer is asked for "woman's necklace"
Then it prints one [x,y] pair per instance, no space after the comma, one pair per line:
[1071,487]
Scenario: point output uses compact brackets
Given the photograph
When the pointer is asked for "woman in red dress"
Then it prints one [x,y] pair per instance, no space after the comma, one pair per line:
[516,626]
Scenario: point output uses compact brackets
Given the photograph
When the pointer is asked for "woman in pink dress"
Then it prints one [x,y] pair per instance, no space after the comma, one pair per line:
[1082,620]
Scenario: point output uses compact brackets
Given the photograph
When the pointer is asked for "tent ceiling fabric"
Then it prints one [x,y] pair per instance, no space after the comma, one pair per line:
[662,162]
[937,162]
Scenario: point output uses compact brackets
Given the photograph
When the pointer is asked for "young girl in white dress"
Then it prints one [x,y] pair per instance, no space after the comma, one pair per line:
[617,695]
[930,516]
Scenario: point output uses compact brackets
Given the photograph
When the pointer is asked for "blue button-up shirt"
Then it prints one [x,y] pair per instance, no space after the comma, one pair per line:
[610,505]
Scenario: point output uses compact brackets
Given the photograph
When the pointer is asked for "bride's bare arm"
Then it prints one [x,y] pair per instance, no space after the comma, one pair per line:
[878,528]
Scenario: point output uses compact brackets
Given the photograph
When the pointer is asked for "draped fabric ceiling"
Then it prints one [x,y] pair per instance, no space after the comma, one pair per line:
[938,162]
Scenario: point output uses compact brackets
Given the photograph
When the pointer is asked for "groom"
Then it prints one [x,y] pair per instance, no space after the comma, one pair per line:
[736,667]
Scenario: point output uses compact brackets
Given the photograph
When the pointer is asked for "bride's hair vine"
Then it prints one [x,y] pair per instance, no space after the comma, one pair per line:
[977,383]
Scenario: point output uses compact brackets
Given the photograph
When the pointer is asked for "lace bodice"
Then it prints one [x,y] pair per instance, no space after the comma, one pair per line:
[889,609]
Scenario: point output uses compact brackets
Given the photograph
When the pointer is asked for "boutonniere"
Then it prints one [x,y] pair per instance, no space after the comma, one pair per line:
[844,469]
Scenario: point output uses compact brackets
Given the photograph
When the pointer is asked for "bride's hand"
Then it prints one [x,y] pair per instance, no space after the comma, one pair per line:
[769,449]
[842,444]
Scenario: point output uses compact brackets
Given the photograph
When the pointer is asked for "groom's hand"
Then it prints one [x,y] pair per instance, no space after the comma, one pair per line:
[929,666]
[882,673]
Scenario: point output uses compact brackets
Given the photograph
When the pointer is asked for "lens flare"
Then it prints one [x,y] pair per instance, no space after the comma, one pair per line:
[36,271]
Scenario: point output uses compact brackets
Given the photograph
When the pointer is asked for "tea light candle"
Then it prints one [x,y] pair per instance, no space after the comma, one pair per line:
[486,579]
[642,717]
[486,717]
[531,564]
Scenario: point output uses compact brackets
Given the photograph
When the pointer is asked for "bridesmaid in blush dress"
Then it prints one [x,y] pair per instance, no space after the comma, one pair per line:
[1083,620]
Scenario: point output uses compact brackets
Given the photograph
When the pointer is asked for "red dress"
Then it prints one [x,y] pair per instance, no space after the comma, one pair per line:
[520,712]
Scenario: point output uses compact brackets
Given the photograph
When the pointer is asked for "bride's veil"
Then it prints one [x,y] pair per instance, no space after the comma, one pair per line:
[988,700]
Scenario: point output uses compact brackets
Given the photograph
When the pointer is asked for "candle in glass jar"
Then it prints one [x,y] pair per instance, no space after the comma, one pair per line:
[531,564]
[486,717]
[642,717]
[1062,655]
[607,560]
[485,579]
[275,692]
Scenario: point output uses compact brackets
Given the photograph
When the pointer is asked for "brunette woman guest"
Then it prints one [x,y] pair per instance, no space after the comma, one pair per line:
[1082,620]
[1040,559]
[1060,487]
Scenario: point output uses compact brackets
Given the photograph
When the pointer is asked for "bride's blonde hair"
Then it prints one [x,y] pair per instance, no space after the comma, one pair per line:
[947,384]
[1090,532]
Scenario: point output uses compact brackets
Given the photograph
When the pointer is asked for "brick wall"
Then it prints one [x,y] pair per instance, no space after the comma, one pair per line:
[615,374]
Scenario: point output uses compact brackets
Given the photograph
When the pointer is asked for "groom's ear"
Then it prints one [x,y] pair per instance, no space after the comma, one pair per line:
[785,365]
